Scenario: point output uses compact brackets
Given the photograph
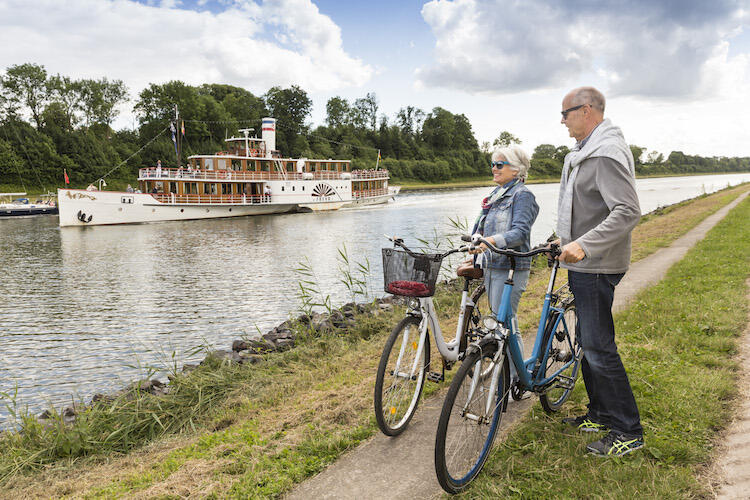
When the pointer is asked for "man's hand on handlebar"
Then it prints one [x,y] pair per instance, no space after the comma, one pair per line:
[571,253]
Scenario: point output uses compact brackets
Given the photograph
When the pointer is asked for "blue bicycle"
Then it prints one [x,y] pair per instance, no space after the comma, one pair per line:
[478,395]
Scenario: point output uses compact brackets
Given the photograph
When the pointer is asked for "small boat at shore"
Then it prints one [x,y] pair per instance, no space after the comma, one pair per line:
[249,178]
[23,207]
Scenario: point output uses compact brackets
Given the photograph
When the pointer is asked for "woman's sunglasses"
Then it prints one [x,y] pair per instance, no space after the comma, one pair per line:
[498,164]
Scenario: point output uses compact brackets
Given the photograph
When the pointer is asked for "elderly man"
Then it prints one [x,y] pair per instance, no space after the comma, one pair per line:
[597,210]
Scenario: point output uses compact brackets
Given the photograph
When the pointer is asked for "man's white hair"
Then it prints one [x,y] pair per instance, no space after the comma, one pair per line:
[516,156]
[591,96]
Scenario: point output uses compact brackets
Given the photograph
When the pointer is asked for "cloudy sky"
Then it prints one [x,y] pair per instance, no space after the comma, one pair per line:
[675,72]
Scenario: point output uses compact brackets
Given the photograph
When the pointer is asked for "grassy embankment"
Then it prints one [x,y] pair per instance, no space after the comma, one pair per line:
[256,430]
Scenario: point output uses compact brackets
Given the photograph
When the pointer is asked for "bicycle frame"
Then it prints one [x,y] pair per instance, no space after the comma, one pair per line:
[448,350]
[526,367]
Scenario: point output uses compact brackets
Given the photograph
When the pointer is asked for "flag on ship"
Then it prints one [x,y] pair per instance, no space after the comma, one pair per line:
[183,127]
[65,173]
[174,139]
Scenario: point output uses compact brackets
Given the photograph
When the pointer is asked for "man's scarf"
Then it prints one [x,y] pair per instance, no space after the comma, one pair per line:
[605,141]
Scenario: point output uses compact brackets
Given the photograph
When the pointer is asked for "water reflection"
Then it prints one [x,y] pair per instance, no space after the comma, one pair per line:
[84,307]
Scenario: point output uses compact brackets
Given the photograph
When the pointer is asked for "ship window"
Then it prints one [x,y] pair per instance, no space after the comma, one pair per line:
[292,188]
[264,166]
[282,188]
[236,165]
[226,188]
[173,187]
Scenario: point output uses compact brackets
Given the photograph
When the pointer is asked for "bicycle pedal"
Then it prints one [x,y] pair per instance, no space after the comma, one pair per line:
[435,377]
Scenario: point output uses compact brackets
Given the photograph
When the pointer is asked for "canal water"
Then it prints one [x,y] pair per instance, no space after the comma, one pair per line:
[86,310]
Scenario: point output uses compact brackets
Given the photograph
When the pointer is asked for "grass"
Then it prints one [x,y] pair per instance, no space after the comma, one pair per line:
[678,342]
[255,431]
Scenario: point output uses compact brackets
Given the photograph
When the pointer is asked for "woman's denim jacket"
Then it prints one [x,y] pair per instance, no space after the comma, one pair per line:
[509,222]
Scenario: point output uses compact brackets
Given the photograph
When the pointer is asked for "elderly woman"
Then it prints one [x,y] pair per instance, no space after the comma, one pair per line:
[506,219]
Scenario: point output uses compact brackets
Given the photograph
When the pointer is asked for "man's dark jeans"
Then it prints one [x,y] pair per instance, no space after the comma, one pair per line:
[611,400]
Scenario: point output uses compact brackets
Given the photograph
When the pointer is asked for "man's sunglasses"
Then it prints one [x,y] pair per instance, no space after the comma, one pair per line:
[566,111]
[498,164]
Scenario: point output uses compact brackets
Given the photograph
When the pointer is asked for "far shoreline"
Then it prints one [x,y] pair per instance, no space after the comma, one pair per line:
[472,183]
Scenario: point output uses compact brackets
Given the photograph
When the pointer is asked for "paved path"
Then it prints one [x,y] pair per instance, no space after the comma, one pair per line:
[403,467]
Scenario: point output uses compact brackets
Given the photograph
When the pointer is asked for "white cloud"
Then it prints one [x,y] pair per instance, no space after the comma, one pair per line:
[141,44]
[656,49]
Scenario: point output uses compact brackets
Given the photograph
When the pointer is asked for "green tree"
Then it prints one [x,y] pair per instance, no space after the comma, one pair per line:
[439,129]
[365,111]
[505,139]
[654,157]
[26,84]
[560,153]
[637,153]
[68,94]
[410,120]
[337,112]
[291,107]
[544,151]
[99,99]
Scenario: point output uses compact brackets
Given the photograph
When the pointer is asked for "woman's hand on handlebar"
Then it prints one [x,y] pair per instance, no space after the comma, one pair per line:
[482,247]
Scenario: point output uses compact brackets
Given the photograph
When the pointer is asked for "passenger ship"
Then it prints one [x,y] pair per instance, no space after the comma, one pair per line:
[249,178]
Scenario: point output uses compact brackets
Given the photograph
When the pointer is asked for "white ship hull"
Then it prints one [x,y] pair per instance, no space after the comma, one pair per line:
[88,208]
[91,208]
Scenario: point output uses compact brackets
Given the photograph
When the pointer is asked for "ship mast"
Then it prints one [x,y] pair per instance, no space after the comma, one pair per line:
[178,132]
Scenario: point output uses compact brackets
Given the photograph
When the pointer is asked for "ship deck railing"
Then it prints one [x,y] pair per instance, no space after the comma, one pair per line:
[245,199]
[212,199]
[369,193]
[239,175]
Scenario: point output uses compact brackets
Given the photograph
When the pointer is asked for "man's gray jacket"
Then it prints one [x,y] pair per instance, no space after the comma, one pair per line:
[598,206]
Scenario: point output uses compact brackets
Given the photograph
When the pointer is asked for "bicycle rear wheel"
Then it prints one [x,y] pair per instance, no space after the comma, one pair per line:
[564,348]
[467,427]
[400,377]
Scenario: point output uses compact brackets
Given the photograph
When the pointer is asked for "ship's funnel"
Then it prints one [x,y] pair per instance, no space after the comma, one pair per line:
[268,134]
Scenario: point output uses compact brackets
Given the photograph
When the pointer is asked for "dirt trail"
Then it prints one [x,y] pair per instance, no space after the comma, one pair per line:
[733,465]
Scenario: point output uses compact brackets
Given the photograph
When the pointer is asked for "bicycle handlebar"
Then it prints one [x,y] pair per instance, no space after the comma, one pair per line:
[476,239]
[399,242]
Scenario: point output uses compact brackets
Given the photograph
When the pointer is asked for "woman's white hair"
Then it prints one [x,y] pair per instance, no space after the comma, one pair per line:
[517,157]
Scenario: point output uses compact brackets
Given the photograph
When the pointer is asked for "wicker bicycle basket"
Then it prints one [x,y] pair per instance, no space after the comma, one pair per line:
[410,275]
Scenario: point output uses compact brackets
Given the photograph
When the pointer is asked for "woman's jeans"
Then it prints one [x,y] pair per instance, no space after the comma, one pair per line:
[611,400]
[494,282]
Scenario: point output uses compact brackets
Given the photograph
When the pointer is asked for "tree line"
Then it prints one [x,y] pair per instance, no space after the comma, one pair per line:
[50,123]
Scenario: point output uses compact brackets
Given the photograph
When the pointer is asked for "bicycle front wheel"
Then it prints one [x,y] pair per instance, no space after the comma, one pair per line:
[565,348]
[400,377]
[470,418]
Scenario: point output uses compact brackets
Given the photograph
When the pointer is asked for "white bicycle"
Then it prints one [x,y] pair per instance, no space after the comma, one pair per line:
[405,362]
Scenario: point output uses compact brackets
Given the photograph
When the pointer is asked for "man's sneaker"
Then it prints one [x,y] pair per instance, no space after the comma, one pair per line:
[585,424]
[615,445]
